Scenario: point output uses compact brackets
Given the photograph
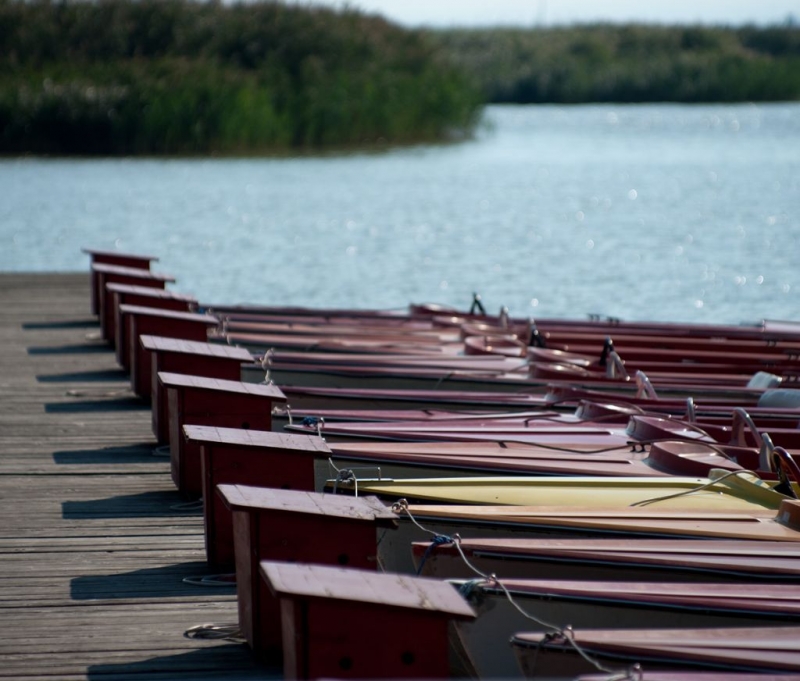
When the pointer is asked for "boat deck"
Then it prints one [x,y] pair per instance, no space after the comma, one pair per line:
[95,542]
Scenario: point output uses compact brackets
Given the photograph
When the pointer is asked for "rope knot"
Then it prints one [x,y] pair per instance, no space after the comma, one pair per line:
[566,633]
[438,540]
[317,422]
[400,506]
[345,475]
[467,588]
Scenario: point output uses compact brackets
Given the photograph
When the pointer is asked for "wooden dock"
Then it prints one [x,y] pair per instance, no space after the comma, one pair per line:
[96,546]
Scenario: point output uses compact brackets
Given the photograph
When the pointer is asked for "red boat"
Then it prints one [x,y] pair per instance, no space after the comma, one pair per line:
[627,609]
[646,559]
[765,650]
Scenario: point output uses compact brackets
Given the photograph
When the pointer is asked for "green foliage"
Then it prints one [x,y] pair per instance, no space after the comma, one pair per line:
[631,63]
[181,77]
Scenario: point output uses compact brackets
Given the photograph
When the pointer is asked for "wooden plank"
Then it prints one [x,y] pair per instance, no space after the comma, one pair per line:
[95,543]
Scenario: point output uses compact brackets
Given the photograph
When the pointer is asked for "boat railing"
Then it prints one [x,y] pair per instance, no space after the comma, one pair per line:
[644,388]
[470,590]
[615,367]
[742,420]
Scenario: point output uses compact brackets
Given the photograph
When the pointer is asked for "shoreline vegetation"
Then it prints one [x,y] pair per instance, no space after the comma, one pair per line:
[629,63]
[155,77]
[182,77]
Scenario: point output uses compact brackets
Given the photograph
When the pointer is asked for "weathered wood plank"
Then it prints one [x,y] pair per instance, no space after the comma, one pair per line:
[95,542]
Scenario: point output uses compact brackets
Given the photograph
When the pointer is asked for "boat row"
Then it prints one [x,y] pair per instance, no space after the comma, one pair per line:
[519,498]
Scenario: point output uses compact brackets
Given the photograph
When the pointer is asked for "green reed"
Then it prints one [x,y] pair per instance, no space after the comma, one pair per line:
[182,77]
[630,63]
[179,77]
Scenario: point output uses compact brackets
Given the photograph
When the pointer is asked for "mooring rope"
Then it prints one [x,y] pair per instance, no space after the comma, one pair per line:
[230,632]
[189,506]
[402,507]
[224,579]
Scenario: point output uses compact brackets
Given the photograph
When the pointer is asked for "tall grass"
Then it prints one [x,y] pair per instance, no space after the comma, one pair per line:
[184,77]
[181,77]
[632,63]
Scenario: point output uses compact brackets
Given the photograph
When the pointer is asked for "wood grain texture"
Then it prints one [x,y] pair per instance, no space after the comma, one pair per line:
[95,542]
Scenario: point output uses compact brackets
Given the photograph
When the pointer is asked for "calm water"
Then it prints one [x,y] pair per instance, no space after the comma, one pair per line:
[643,212]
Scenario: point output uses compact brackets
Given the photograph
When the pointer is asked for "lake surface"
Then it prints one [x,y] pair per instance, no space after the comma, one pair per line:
[663,212]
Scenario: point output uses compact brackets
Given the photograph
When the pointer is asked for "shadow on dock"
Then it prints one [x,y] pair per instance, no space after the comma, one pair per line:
[151,504]
[234,660]
[70,324]
[77,349]
[84,376]
[114,400]
[90,512]
[159,582]
[128,454]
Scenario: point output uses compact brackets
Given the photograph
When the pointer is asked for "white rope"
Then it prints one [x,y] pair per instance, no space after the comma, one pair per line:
[231,632]
[196,505]
[266,363]
[635,673]
[566,633]
[286,411]
[401,506]
[124,392]
[345,475]
[163,450]
[226,579]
